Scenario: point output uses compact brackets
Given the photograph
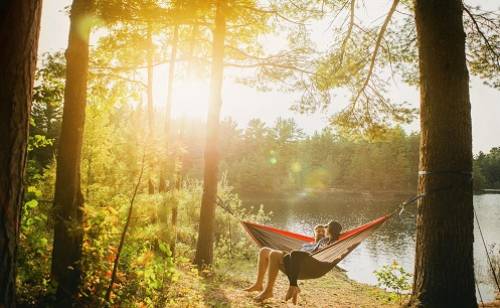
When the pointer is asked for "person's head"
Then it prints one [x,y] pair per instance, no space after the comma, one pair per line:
[333,229]
[319,232]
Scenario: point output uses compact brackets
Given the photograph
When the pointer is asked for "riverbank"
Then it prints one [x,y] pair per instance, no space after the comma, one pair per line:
[222,288]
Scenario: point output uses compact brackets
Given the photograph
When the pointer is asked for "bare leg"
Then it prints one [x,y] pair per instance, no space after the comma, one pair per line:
[275,259]
[261,270]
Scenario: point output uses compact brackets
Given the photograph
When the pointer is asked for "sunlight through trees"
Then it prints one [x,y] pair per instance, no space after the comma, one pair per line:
[122,183]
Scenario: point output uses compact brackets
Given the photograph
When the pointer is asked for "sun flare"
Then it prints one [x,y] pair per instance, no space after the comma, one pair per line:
[189,97]
[164,153]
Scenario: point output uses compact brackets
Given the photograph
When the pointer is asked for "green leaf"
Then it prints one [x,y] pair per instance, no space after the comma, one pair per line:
[32,204]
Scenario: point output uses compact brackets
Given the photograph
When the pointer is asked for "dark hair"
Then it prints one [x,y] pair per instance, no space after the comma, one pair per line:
[334,229]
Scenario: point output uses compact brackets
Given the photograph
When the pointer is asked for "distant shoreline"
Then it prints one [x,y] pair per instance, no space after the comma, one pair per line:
[324,194]
[488,191]
[339,192]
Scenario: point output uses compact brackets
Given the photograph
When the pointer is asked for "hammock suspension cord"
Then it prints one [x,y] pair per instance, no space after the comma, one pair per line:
[479,291]
[487,253]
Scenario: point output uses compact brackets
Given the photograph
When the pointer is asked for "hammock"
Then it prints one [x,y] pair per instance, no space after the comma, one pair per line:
[321,261]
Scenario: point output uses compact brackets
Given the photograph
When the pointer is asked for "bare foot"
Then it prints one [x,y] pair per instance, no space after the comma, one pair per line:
[263,296]
[255,287]
[292,293]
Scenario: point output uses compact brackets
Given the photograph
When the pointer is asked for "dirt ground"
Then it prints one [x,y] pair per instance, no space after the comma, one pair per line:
[224,289]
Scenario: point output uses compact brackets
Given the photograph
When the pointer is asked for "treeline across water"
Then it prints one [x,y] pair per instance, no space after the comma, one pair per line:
[280,158]
[487,170]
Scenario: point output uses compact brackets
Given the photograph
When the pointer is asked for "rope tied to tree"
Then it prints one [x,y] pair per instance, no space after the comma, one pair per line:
[402,207]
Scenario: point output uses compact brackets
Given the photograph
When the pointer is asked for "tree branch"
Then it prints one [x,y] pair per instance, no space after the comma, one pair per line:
[142,84]
[278,65]
[274,12]
[348,34]
[377,47]
[125,228]
[486,41]
[132,68]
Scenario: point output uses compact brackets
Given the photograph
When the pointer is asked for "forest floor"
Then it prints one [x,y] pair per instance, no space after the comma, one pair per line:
[223,288]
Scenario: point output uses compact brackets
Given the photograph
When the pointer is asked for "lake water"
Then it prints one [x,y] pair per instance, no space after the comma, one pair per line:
[395,240]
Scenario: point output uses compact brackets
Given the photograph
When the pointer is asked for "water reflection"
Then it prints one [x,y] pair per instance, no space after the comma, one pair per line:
[395,240]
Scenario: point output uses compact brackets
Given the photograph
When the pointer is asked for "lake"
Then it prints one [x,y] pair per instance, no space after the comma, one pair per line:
[394,241]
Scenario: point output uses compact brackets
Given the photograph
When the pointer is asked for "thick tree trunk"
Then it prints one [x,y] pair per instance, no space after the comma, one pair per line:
[204,246]
[168,108]
[68,199]
[444,272]
[19,30]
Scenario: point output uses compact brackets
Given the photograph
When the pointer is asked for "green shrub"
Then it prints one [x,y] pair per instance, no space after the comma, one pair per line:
[147,268]
[394,278]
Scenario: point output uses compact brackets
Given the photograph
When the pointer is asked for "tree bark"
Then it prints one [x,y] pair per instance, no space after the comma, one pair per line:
[19,31]
[204,246]
[444,272]
[168,107]
[68,198]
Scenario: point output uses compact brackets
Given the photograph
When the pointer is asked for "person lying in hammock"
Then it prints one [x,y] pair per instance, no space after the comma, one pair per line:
[272,261]
[266,252]
[319,234]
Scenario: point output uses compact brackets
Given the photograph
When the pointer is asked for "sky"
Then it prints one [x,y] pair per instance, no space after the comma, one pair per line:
[243,103]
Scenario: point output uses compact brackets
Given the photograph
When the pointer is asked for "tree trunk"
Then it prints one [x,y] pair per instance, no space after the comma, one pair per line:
[204,246]
[168,107]
[19,30]
[444,272]
[68,199]
[149,59]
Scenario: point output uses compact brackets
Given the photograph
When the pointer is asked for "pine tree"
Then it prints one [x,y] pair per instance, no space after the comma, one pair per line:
[444,265]
[19,31]
[68,198]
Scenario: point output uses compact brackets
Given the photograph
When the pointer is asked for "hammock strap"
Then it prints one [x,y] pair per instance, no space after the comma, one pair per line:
[459,172]
[401,207]
[223,205]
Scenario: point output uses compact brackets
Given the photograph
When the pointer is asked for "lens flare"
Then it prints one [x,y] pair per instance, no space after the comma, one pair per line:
[86,24]
[296,167]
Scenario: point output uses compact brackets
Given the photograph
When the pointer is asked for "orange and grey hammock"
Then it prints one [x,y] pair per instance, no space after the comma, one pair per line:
[321,261]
